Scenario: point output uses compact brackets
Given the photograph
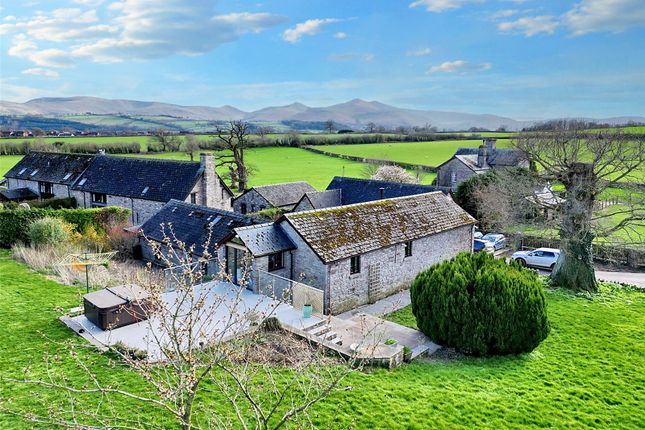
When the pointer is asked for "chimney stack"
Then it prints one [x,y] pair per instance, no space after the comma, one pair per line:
[482,155]
[210,189]
[382,191]
[491,144]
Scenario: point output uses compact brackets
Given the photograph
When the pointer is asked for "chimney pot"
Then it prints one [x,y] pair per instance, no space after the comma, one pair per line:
[481,156]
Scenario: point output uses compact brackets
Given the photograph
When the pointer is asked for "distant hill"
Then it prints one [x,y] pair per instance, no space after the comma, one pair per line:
[352,114]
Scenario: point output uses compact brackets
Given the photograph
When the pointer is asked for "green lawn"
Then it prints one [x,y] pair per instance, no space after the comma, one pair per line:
[426,153]
[587,374]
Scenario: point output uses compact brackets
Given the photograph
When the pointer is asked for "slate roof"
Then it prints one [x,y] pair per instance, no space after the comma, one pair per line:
[357,190]
[281,195]
[192,224]
[140,178]
[499,157]
[264,239]
[50,167]
[18,194]
[345,231]
[322,199]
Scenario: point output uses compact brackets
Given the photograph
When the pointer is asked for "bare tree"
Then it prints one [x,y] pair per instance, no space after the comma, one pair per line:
[330,126]
[393,174]
[262,132]
[234,140]
[587,164]
[167,140]
[202,342]
[191,145]
[371,127]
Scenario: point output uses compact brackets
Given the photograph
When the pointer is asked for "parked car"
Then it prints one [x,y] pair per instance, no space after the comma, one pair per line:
[498,240]
[478,234]
[483,245]
[542,257]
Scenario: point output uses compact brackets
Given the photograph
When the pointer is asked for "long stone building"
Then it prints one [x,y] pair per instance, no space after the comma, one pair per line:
[143,185]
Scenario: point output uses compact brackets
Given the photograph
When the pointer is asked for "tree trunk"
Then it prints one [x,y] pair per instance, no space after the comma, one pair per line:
[574,269]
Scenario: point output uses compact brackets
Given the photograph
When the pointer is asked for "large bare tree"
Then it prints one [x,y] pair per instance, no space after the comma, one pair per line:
[167,139]
[234,140]
[588,164]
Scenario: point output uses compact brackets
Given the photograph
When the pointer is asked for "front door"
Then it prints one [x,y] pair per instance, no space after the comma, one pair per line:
[236,262]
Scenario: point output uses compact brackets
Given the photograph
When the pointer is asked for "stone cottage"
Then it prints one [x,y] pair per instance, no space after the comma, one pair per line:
[343,191]
[359,253]
[142,185]
[200,228]
[281,196]
[468,162]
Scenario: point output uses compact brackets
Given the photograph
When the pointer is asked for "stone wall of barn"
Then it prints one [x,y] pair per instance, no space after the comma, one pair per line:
[307,267]
[58,190]
[460,170]
[142,210]
[209,189]
[387,271]
[253,200]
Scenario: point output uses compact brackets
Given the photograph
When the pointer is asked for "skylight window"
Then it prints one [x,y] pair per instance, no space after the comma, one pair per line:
[22,171]
[145,190]
[34,172]
[174,209]
[191,213]
[67,176]
[82,181]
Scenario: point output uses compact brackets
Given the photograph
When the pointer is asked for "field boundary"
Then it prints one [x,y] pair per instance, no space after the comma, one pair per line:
[411,166]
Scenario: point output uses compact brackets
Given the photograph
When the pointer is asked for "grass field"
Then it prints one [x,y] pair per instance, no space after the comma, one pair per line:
[426,153]
[587,374]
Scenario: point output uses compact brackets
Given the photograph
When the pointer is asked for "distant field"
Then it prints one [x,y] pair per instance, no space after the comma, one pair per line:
[7,162]
[426,153]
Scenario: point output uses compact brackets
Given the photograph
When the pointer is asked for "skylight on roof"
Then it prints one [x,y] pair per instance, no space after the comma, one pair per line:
[82,181]
[145,190]
[34,172]
[67,176]
[22,171]
[174,209]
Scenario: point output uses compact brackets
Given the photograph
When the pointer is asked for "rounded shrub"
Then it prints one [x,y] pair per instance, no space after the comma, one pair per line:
[48,231]
[481,305]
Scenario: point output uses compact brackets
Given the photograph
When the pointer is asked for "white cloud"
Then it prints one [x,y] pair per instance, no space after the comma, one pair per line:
[88,2]
[440,5]
[459,66]
[605,15]
[136,29]
[420,52]
[530,26]
[505,13]
[340,35]
[309,27]
[352,57]
[39,71]
[23,47]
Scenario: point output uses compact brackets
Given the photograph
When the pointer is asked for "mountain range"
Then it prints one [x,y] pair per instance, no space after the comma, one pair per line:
[356,113]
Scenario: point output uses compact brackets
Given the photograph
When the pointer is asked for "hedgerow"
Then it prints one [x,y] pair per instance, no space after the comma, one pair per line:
[481,305]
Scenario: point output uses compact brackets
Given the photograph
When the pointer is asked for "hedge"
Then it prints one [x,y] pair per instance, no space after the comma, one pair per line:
[481,305]
[14,223]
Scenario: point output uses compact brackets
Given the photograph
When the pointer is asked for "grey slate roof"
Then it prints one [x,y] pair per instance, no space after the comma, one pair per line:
[192,224]
[507,157]
[50,167]
[357,190]
[322,199]
[342,232]
[281,195]
[140,178]
[18,194]
[264,239]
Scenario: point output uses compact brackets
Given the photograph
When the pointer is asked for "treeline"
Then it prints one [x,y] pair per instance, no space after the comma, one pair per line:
[575,124]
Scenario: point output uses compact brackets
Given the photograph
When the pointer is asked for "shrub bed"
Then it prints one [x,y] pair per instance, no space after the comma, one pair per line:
[15,223]
[481,305]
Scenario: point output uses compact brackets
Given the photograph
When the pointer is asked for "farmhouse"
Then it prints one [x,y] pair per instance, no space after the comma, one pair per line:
[359,253]
[142,185]
[343,191]
[203,230]
[281,196]
[468,162]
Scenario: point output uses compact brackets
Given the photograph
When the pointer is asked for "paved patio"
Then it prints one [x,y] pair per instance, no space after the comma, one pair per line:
[229,317]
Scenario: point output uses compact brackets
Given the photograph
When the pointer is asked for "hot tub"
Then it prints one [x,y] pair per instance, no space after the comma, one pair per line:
[116,307]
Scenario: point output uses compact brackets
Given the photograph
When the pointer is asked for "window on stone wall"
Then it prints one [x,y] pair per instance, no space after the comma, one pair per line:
[276,261]
[46,190]
[193,198]
[408,248]
[355,264]
[243,208]
[98,199]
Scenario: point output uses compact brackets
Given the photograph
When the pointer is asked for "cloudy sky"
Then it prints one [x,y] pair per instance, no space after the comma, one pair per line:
[520,58]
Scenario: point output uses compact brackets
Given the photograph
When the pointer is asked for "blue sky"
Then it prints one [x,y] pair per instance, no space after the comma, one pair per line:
[519,58]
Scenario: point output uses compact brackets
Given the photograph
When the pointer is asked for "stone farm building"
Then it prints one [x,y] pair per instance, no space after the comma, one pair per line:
[468,162]
[280,196]
[143,185]
[359,253]
[343,191]
[203,230]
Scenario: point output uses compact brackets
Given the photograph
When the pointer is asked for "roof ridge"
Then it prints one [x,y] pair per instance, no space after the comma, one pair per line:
[282,183]
[206,208]
[377,180]
[149,159]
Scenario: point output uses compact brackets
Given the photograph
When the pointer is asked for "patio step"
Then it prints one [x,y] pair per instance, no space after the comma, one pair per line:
[320,330]
[337,340]
[330,335]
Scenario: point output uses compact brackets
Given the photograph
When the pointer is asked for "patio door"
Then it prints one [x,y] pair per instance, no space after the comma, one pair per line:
[235,266]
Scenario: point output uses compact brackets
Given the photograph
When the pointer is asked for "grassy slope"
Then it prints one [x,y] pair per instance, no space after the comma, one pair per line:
[428,153]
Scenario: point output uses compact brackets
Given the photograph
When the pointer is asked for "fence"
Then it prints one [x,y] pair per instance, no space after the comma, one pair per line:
[292,292]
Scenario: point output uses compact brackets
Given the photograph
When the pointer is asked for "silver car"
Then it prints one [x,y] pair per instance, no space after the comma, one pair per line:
[498,240]
[544,258]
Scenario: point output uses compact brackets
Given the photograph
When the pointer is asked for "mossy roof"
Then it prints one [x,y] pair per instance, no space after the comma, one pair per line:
[345,231]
